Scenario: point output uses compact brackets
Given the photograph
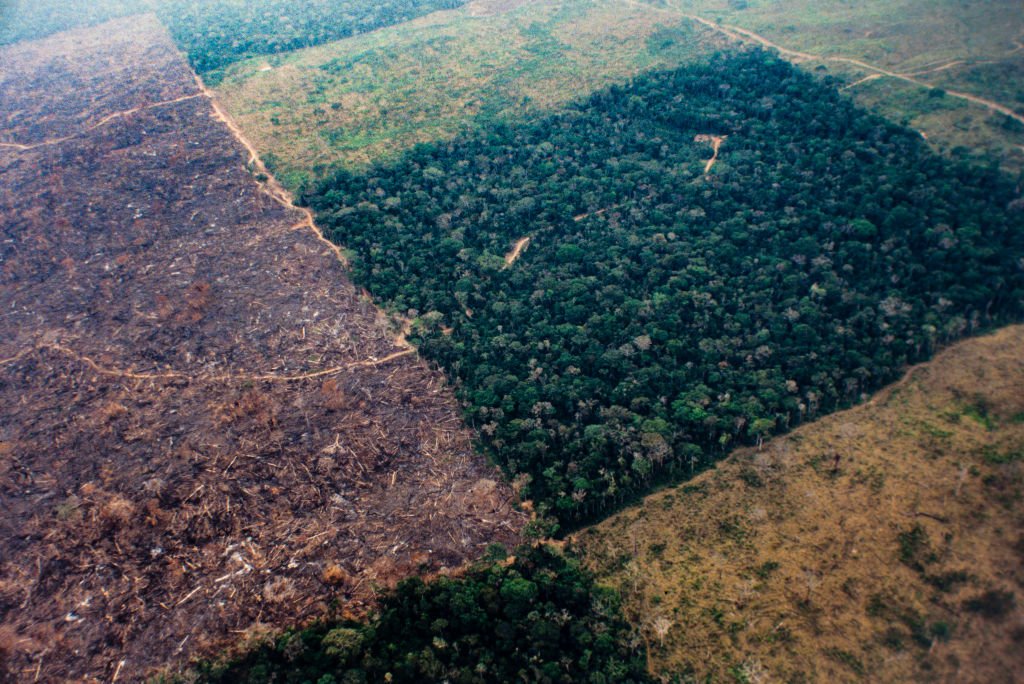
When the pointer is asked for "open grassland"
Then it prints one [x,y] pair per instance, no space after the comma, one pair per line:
[884,543]
[373,96]
[206,429]
[976,48]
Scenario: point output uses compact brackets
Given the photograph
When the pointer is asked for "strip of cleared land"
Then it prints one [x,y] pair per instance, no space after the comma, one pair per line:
[206,430]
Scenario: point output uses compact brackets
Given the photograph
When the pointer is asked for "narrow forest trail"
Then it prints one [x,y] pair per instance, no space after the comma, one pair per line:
[599,212]
[517,250]
[740,34]
[213,377]
[716,144]
[102,122]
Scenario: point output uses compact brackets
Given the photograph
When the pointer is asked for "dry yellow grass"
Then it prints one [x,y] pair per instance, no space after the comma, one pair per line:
[780,565]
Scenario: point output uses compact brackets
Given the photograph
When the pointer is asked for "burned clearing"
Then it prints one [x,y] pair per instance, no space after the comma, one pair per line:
[207,430]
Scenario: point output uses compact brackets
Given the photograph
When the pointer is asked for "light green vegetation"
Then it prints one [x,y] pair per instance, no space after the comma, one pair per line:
[376,95]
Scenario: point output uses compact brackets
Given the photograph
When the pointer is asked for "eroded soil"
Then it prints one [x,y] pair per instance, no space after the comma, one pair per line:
[206,430]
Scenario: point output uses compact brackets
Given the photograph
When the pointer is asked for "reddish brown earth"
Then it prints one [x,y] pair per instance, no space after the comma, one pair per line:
[205,429]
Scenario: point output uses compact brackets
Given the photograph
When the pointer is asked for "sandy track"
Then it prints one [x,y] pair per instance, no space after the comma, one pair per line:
[743,35]
[271,185]
[216,377]
[102,122]
[516,251]
[716,144]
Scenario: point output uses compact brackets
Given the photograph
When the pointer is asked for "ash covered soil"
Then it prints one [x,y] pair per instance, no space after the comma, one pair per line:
[206,430]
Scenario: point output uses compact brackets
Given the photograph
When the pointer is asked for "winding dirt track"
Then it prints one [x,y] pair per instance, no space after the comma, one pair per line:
[716,144]
[222,377]
[517,250]
[102,122]
[743,35]
[271,185]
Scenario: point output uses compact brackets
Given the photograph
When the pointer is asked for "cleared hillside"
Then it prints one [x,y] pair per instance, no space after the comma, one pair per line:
[206,428]
[884,543]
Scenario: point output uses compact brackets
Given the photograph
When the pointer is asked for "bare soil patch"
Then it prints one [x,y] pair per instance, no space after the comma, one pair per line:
[206,429]
[716,144]
[516,251]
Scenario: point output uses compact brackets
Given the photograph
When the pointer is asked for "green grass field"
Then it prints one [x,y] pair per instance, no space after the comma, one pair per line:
[971,47]
[376,95]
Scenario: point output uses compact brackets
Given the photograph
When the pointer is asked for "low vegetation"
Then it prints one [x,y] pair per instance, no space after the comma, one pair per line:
[883,543]
[663,314]
[216,34]
[375,96]
[976,48]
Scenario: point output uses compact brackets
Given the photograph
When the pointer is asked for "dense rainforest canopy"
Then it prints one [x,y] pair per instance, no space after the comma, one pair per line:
[661,314]
[538,618]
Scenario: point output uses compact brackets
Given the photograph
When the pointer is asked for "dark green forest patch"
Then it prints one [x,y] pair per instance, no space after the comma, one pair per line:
[661,315]
[216,33]
[538,618]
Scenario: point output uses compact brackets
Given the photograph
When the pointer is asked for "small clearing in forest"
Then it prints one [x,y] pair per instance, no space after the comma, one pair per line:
[516,251]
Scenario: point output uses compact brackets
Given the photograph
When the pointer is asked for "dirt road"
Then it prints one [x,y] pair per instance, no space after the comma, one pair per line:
[267,181]
[102,122]
[743,35]
[716,144]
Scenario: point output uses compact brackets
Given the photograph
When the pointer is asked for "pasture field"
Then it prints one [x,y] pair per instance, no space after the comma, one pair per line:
[374,96]
[883,543]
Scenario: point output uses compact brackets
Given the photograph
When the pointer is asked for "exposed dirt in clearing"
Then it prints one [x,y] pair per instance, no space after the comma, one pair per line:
[851,549]
[200,412]
[716,144]
[516,251]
